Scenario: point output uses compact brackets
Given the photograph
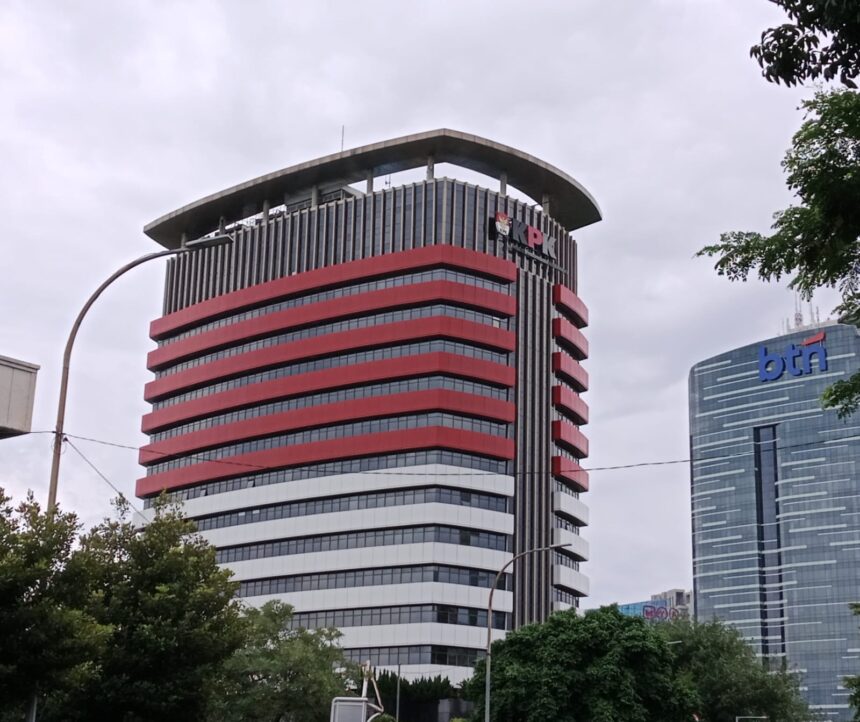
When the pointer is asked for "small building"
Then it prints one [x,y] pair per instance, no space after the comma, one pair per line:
[17,389]
[671,604]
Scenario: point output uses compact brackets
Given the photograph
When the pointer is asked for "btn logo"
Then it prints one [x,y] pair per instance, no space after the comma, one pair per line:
[506,228]
[772,366]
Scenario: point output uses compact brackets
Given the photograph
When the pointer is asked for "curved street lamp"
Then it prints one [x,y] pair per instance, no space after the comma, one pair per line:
[189,247]
[490,618]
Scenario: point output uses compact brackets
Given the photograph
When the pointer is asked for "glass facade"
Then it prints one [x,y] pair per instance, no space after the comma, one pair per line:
[776,505]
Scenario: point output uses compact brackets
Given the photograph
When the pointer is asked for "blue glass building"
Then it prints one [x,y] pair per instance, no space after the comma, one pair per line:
[775,483]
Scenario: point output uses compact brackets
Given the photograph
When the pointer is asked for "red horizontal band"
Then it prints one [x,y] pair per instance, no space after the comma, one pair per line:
[570,304]
[570,371]
[570,337]
[569,471]
[433,437]
[334,343]
[339,412]
[438,362]
[419,294]
[567,435]
[331,276]
[569,403]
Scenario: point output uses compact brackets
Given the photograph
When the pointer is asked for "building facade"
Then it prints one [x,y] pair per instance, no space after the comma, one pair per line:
[776,505]
[370,399]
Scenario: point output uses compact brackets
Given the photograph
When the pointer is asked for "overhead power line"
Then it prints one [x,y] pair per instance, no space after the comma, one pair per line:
[525,472]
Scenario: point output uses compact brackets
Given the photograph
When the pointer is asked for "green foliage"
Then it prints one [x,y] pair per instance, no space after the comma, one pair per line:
[281,672]
[603,666]
[597,667]
[821,41]
[727,678]
[172,615]
[47,640]
[817,242]
[852,684]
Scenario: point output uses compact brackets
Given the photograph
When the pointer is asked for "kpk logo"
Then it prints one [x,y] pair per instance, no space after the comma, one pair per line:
[507,228]
[771,366]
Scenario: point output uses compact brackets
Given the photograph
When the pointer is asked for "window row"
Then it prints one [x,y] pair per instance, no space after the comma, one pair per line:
[328,397]
[564,560]
[371,578]
[564,488]
[439,274]
[349,359]
[370,464]
[559,595]
[392,656]
[318,330]
[338,431]
[329,505]
[562,523]
[414,614]
[365,539]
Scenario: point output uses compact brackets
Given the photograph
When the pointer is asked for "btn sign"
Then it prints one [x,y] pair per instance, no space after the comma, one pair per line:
[797,360]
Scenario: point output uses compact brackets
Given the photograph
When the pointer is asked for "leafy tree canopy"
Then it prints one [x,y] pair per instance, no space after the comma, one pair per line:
[281,672]
[727,678]
[821,41]
[852,684]
[816,242]
[170,618]
[596,667]
[47,641]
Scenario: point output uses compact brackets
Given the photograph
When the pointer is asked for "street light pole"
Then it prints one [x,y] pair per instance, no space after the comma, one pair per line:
[490,618]
[189,247]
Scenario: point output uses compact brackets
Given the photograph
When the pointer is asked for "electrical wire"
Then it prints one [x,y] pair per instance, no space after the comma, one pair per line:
[526,472]
[104,478]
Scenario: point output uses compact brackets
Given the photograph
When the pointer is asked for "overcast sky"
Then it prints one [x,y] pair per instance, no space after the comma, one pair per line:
[112,114]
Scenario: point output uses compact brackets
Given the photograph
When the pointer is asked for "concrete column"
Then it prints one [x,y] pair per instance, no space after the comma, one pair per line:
[503,184]
[545,204]
[315,196]
[369,188]
[222,224]
[430,167]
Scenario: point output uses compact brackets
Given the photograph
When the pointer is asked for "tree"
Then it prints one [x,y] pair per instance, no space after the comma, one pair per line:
[281,672]
[172,616]
[596,667]
[419,698]
[818,241]
[821,41]
[852,684]
[47,640]
[727,678]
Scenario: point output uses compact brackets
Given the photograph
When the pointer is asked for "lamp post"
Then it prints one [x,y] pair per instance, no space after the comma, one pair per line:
[189,247]
[490,618]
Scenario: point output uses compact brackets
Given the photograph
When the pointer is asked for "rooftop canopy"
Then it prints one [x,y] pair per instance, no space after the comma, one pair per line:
[571,205]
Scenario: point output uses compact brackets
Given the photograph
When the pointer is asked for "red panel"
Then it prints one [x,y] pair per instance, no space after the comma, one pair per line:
[570,337]
[353,340]
[569,403]
[569,302]
[569,370]
[334,413]
[567,435]
[365,269]
[569,471]
[334,378]
[433,437]
[418,294]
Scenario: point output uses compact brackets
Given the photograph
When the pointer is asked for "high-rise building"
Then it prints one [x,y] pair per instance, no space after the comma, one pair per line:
[776,505]
[370,399]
